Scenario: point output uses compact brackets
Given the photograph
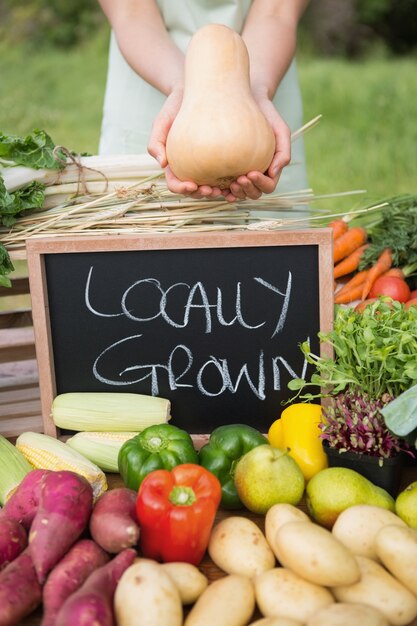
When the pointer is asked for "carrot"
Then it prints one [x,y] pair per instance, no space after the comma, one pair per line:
[395,271]
[347,243]
[339,228]
[350,295]
[350,263]
[357,279]
[382,265]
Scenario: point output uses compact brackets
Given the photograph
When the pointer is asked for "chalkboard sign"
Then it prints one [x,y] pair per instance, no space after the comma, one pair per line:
[211,321]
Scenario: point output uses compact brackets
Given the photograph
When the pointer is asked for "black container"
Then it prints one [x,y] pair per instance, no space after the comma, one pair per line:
[387,475]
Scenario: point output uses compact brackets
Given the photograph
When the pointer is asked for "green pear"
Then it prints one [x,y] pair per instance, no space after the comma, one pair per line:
[406,505]
[265,476]
[334,489]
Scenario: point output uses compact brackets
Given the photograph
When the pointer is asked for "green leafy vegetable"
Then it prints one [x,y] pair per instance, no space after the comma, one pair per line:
[36,150]
[12,205]
[6,266]
[374,353]
[400,414]
[395,227]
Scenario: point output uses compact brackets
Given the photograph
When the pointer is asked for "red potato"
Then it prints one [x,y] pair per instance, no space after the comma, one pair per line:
[69,575]
[23,504]
[92,604]
[65,505]
[113,522]
[20,591]
[13,540]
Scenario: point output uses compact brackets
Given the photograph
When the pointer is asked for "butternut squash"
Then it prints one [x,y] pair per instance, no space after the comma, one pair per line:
[219,133]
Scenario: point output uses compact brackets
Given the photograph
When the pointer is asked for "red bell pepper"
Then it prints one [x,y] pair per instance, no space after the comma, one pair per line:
[176,511]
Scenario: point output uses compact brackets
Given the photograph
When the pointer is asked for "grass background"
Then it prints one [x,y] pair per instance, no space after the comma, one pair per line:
[367,138]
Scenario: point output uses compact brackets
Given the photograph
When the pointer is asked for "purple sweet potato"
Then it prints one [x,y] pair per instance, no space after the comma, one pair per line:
[65,505]
[20,591]
[92,604]
[69,575]
[23,504]
[113,522]
[13,540]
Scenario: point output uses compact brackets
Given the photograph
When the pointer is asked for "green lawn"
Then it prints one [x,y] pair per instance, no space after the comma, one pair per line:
[367,138]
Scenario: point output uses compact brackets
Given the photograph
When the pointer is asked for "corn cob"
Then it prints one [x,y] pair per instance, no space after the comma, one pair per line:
[101,448]
[13,468]
[109,411]
[45,452]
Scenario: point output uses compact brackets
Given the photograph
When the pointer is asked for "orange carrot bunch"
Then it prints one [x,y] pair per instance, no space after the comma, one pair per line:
[349,244]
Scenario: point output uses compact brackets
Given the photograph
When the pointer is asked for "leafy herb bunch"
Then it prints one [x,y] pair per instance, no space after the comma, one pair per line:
[36,151]
[394,227]
[374,353]
[354,423]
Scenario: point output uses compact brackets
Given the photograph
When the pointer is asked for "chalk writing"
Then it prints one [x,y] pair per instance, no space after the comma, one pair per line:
[211,376]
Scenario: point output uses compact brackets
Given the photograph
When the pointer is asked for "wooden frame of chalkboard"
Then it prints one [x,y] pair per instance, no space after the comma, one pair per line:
[213,321]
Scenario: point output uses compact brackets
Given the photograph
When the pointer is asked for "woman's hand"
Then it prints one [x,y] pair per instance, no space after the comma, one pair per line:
[157,149]
[254,184]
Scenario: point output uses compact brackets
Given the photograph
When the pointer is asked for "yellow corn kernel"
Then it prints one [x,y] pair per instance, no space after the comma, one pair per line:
[45,452]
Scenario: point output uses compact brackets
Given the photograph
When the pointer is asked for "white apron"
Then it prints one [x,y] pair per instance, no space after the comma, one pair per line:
[131,104]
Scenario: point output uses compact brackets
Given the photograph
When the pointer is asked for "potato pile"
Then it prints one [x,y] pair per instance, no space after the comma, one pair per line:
[296,573]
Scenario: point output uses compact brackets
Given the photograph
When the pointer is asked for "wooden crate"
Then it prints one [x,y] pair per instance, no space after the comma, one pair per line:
[20,407]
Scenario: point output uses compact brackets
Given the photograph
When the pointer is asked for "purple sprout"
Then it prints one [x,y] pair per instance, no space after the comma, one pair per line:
[353,422]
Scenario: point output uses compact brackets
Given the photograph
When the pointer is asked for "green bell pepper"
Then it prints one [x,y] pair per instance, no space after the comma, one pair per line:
[162,446]
[227,444]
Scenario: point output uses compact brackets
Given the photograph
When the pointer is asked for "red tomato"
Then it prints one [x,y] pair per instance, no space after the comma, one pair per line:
[411,302]
[413,294]
[391,286]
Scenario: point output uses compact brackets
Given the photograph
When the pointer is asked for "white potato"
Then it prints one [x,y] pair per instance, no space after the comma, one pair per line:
[313,553]
[238,546]
[343,614]
[278,515]
[147,596]
[280,592]
[378,588]
[276,621]
[188,579]
[357,527]
[397,549]
[228,601]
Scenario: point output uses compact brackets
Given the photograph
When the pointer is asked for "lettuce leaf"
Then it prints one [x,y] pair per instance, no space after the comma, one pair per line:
[6,266]
[13,205]
[36,150]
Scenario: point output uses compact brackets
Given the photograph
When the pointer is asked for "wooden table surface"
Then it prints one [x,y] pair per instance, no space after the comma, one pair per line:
[207,566]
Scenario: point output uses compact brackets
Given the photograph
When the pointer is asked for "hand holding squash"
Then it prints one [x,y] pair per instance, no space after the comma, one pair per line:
[254,184]
[220,132]
[157,148]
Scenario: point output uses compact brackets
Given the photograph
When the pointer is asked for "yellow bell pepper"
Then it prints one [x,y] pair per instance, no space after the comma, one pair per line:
[298,431]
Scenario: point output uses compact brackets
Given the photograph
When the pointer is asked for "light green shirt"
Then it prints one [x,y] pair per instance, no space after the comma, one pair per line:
[131,104]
